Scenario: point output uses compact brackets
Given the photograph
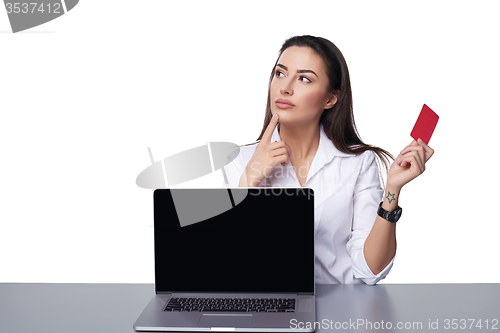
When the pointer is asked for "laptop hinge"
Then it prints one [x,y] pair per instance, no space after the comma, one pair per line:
[207,294]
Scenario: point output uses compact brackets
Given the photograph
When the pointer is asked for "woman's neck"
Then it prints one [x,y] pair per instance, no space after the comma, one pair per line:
[302,140]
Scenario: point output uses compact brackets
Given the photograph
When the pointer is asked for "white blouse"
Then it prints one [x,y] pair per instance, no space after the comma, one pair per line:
[347,193]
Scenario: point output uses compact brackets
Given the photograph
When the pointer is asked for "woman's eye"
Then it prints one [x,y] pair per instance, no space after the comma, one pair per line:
[304,79]
[279,74]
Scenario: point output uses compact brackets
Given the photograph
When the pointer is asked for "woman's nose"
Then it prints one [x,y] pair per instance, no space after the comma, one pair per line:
[286,87]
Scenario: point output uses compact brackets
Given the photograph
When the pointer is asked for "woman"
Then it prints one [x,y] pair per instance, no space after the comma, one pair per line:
[316,145]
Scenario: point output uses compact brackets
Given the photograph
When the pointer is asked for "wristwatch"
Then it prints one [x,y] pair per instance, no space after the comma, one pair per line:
[390,216]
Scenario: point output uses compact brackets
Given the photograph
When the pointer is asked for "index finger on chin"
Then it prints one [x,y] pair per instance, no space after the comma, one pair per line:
[266,138]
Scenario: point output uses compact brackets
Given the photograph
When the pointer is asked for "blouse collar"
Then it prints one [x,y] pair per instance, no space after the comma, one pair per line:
[324,155]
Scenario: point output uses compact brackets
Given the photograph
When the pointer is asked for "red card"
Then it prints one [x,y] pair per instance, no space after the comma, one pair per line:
[425,125]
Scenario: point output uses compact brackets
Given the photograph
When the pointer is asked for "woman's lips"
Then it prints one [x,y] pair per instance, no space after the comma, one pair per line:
[283,104]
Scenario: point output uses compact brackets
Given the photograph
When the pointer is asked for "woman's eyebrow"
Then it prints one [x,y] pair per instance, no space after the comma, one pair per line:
[299,70]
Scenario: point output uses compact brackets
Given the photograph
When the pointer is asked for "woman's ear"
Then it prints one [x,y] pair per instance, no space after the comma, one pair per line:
[332,99]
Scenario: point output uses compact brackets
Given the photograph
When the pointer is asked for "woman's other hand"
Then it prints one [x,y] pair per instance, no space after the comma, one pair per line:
[265,158]
[409,164]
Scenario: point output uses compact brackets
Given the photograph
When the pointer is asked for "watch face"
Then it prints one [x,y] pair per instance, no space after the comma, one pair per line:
[397,214]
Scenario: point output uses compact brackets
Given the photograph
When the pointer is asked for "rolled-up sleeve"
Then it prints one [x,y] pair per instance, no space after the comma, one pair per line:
[366,199]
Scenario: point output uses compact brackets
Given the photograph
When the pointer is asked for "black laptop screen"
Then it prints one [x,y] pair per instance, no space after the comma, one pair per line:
[234,240]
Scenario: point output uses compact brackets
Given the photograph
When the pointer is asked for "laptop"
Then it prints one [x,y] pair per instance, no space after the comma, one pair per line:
[232,259]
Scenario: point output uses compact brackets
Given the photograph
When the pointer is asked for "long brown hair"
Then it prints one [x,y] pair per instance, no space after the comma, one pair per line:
[338,122]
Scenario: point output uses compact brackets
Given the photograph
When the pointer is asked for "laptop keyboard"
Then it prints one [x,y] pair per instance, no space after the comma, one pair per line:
[231,304]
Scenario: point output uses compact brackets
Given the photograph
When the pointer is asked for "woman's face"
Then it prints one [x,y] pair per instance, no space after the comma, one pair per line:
[299,87]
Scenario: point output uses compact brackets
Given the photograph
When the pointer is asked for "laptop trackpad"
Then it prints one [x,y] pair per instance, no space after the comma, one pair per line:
[225,320]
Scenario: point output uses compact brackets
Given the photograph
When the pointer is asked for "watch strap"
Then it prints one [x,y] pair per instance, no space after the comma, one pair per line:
[389,216]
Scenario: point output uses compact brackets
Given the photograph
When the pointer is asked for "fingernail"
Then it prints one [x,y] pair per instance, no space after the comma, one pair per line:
[275,116]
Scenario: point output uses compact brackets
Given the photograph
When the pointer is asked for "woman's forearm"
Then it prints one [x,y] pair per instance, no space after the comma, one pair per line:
[380,245]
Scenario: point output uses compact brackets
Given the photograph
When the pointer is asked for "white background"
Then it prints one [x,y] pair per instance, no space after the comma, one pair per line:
[83,96]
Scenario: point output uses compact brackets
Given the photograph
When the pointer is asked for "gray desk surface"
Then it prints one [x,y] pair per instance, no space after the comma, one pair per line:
[114,308]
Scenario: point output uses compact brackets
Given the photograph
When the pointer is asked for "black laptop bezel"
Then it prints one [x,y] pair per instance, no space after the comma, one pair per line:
[301,207]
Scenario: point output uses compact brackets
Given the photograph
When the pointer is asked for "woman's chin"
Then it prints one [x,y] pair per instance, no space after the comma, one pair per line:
[285,117]
[282,114]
